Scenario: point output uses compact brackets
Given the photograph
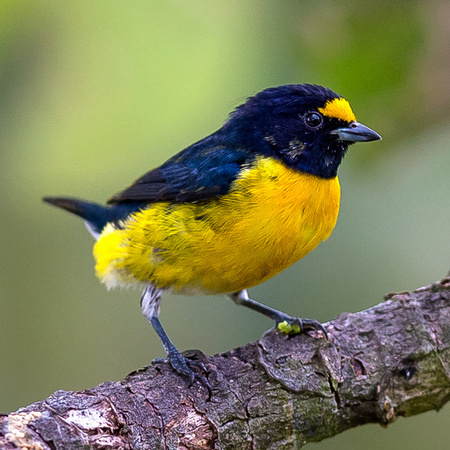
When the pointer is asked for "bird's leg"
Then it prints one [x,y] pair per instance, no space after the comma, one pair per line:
[150,306]
[284,323]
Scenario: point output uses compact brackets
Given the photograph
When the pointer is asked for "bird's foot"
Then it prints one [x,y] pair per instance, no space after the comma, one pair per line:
[294,325]
[184,366]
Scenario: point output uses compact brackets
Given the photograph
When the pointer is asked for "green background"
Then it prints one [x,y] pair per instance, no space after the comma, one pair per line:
[95,93]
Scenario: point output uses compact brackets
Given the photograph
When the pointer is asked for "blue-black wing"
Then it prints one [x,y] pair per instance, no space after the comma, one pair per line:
[199,172]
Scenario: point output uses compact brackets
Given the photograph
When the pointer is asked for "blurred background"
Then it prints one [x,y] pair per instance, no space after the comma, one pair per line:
[93,94]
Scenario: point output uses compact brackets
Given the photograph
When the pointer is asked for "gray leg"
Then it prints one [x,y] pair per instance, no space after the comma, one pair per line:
[283,322]
[150,306]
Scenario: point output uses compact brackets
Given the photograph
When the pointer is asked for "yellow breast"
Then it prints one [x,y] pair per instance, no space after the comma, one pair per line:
[271,218]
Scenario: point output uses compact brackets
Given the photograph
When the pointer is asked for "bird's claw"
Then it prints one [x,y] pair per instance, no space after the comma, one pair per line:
[295,325]
[183,366]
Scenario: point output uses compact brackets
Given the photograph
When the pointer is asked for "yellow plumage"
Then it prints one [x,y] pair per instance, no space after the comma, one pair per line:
[338,108]
[271,217]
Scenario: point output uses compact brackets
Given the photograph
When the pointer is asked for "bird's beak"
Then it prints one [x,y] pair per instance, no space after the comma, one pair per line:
[356,132]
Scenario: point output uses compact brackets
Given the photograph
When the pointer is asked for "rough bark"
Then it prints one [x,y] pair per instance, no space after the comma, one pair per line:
[278,393]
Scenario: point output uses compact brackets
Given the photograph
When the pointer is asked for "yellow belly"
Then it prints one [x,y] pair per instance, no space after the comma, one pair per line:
[271,218]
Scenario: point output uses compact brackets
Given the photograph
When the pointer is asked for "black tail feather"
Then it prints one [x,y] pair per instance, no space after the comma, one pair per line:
[95,214]
[75,206]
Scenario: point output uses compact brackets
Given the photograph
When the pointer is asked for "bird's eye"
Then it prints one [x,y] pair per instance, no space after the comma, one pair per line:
[313,120]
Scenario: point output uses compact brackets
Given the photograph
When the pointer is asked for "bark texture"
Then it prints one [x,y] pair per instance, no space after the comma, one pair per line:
[278,393]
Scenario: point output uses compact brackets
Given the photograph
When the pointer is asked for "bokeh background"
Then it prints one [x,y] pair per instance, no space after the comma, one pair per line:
[95,93]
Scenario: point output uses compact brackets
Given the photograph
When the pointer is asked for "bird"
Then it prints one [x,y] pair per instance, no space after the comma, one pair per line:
[230,211]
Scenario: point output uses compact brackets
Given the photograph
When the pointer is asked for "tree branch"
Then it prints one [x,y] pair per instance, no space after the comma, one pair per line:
[388,361]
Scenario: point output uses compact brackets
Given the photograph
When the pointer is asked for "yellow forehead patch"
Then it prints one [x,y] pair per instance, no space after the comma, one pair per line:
[338,108]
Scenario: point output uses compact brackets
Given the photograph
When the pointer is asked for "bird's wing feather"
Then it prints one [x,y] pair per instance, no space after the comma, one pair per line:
[197,173]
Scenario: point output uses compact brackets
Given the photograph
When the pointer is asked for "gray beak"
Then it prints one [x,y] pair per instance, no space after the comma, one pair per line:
[356,132]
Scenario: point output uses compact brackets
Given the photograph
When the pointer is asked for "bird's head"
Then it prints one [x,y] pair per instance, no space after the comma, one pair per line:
[308,127]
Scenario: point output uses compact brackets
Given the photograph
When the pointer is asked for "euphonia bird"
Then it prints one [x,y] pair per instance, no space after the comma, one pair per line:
[230,211]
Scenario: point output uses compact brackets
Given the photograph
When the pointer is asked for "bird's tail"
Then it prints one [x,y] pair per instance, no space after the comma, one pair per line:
[94,215]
